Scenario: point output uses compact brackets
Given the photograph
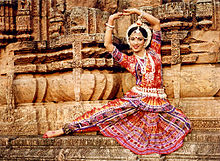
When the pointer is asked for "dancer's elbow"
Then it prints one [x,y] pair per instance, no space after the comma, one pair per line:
[108,46]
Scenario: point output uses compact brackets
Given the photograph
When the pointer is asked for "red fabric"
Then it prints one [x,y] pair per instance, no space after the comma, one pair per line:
[90,129]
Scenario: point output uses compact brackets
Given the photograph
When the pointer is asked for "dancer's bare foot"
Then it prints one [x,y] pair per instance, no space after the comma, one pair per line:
[50,134]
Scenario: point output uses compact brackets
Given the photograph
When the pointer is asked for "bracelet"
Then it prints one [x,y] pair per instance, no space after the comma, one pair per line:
[66,129]
[109,28]
[109,25]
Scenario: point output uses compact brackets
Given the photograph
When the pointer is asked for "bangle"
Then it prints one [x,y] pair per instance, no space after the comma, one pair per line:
[109,25]
[66,129]
[109,28]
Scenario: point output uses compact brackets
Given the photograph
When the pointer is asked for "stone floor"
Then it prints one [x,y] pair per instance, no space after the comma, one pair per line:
[202,146]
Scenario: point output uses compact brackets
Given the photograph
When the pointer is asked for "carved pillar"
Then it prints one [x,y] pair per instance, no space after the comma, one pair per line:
[175,37]
[9,116]
[206,14]
[23,18]
[56,19]
[40,9]
[176,66]
[7,21]
[36,19]
[175,48]
[77,68]
[8,13]
[10,99]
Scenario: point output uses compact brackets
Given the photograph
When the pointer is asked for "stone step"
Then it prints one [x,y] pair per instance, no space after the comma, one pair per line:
[203,146]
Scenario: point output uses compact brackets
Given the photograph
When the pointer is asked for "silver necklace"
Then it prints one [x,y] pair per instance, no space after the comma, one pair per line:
[149,76]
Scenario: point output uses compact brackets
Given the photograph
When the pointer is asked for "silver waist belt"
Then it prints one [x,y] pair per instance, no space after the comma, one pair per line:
[151,92]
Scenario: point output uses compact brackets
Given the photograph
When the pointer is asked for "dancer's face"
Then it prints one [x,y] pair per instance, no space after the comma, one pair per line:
[137,42]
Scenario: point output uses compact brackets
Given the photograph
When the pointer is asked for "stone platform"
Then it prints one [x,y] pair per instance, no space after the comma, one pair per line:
[202,146]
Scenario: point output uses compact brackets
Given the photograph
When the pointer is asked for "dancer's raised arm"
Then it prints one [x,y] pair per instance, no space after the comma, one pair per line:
[109,29]
[155,22]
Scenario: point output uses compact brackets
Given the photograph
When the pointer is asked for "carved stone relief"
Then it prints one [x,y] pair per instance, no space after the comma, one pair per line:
[58,68]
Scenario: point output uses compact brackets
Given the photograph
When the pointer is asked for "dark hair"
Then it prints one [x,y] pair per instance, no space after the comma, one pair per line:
[142,30]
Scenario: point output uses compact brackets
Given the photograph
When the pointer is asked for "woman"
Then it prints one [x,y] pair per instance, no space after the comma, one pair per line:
[143,120]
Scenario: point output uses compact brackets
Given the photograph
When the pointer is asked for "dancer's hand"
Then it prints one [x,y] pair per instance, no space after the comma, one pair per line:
[128,12]
[115,16]
[155,22]
[108,34]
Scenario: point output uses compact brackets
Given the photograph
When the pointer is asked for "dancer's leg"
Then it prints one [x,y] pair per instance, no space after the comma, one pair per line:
[50,134]
[90,129]
[111,112]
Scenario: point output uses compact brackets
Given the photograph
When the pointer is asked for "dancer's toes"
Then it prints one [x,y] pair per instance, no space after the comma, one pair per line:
[49,134]
[45,136]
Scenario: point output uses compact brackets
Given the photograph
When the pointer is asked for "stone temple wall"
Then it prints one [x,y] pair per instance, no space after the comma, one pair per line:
[54,67]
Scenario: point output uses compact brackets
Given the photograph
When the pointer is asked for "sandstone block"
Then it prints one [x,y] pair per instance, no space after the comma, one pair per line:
[42,118]
[96,86]
[80,3]
[196,107]
[135,4]
[3,90]
[199,80]
[112,86]
[218,94]
[108,5]
[60,87]
[121,31]
[173,11]
[100,85]
[197,146]
[25,89]
[87,86]
[42,86]
[168,82]
[207,58]
[205,47]
[127,82]
[205,36]
[21,121]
